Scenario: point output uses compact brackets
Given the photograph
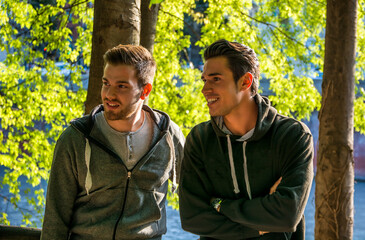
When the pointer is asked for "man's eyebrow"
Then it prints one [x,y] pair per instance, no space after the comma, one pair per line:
[120,81]
[212,74]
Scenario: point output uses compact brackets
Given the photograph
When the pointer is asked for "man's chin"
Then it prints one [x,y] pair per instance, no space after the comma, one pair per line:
[213,114]
[110,116]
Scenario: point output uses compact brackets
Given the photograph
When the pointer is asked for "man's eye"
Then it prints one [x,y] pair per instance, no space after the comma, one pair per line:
[122,86]
[216,79]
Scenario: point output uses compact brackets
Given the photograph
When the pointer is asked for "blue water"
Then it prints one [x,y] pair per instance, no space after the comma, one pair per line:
[175,232]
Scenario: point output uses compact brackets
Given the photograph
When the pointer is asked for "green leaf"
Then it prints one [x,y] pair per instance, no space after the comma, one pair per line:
[155,2]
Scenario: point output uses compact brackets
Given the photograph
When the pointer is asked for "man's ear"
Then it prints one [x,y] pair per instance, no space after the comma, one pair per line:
[146,91]
[246,81]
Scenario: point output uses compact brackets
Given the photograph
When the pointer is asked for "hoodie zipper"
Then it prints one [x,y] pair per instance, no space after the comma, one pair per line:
[129,174]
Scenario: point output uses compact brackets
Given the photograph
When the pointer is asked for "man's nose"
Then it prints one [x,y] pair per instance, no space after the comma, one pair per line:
[206,87]
[111,92]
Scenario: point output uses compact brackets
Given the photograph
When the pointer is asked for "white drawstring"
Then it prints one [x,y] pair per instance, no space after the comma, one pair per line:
[172,152]
[245,170]
[233,172]
[88,180]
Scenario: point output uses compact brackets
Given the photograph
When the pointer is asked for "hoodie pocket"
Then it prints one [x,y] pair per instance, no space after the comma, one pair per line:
[142,208]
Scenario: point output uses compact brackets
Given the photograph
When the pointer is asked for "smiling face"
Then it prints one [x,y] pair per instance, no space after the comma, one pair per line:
[120,93]
[220,90]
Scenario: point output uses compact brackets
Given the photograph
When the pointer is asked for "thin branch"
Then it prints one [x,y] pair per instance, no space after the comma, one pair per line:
[16,205]
[186,23]
[75,4]
[275,27]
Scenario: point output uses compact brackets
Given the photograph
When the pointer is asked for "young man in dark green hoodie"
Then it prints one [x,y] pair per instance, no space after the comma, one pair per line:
[247,172]
[110,171]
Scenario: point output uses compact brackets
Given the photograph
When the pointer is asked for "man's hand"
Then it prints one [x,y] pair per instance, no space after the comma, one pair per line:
[262,232]
[276,184]
[272,190]
[216,203]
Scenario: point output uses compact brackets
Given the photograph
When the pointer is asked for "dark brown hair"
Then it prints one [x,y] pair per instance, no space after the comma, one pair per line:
[241,59]
[137,56]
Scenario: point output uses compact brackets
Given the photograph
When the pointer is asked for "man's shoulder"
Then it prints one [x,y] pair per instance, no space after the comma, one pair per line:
[176,132]
[286,123]
[70,133]
[202,130]
[76,129]
[83,124]
[164,122]
[204,126]
[69,139]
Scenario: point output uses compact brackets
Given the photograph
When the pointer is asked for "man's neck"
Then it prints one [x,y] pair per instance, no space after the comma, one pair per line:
[243,119]
[131,124]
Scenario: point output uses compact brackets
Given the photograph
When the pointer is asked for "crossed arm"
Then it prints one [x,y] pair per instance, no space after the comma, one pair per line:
[197,216]
[217,207]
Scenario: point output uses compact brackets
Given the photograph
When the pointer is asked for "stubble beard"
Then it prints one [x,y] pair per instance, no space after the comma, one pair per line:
[123,114]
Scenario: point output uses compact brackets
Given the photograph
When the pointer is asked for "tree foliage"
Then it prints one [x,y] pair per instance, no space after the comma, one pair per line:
[177,86]
[37,99]
[359,105]
[288,37]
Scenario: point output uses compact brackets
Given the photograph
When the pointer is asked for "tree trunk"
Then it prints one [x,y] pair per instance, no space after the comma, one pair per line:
[115,22]
[148,24]
[335,165]
[148,27]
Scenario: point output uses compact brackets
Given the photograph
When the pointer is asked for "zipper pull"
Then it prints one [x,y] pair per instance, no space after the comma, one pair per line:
[129,175]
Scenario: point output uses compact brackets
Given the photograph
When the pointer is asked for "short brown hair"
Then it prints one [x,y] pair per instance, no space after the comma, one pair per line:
[137,56]
[241,59]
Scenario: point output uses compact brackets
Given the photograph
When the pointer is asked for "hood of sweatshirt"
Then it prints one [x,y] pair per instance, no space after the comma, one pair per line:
[265,118]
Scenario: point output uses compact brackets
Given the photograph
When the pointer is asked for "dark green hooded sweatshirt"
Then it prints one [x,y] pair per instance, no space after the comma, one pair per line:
[91,193]
[242,172]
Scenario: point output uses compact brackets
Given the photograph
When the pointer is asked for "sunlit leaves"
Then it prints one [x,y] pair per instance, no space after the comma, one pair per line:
[37,98]
[155,2]
[359,105]
[177,87]
[4,219]
[359,116]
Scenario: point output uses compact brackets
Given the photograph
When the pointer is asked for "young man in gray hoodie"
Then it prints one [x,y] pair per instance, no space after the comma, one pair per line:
[110,170]
[247,172]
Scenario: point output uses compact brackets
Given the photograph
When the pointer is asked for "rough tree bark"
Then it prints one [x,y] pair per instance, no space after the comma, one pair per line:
[335,164]
[148,27]
[148,24]
[115,22]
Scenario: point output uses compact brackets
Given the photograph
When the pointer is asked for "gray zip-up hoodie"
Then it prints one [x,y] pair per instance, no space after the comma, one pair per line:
[241,171]
[92,195]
